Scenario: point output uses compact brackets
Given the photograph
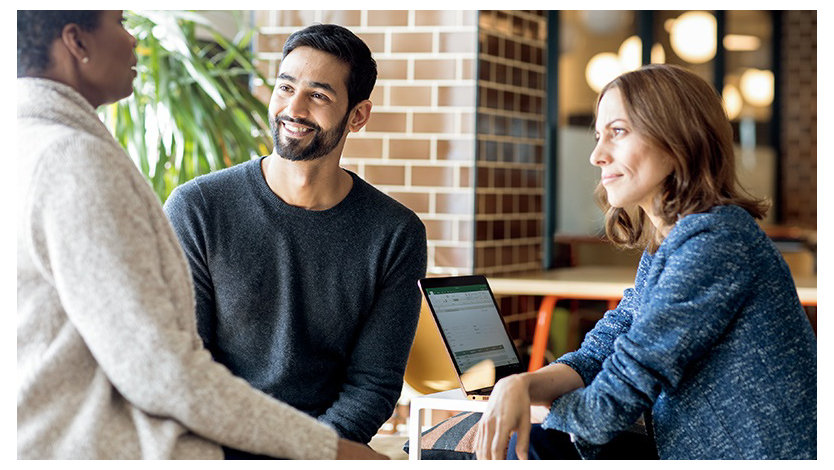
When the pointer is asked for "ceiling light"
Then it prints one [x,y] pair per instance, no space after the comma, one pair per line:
[741,42]
[757,87]
[658,54]
[601,69]
[732,101]
[693,36]
[631,54]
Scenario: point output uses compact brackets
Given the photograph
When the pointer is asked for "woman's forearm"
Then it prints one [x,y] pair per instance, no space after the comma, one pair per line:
[551,382]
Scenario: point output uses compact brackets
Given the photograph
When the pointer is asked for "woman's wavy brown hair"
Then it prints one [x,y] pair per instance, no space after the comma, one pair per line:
[682,115]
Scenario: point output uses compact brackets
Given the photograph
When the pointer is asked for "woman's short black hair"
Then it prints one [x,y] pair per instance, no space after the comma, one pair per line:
[345,45]
[37,29]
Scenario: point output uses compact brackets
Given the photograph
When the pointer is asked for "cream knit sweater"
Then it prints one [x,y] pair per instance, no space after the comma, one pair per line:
[109,363]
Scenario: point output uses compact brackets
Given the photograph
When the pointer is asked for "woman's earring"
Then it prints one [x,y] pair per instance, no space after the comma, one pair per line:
[85,60]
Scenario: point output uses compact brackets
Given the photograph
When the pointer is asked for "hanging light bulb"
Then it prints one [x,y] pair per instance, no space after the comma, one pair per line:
[693,36]
[601,69]
[658,54]
[630,54]
[757,87]
[741,42]
[732,101]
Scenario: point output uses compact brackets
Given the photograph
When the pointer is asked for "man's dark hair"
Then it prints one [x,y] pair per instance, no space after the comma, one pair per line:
[342,43]
[37,29]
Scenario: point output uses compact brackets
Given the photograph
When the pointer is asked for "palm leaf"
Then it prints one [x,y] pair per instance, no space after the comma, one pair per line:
[192,111]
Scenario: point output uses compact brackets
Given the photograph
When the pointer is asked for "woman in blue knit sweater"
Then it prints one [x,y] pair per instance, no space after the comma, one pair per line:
[711,345]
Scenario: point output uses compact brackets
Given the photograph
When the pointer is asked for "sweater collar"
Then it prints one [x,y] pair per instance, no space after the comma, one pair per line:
[42,98]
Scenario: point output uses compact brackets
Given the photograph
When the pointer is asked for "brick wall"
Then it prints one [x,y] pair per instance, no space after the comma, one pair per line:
[799,119]
[419,144]
[510,153]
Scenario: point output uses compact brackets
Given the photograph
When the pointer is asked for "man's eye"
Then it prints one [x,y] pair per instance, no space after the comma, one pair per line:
[319,96]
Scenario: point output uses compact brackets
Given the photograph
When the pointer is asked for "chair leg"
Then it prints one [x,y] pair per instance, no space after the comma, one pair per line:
[542,332]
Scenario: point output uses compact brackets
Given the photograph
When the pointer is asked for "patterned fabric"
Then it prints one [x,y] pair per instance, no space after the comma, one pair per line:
[451,439]
[712,340]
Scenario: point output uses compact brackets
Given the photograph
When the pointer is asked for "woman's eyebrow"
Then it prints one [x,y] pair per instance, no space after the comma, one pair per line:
[611,122]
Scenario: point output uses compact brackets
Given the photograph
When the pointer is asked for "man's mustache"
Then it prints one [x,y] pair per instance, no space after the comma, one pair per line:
[301,121]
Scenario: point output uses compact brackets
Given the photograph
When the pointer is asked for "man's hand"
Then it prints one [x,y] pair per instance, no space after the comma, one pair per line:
[349,450]
[508,411]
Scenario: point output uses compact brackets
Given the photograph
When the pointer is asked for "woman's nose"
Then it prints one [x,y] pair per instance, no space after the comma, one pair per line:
[599,156]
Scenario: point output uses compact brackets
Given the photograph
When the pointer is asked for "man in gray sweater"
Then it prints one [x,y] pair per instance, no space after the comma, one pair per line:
[305,275]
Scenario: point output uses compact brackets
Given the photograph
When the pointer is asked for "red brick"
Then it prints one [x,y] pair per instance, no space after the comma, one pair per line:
[435,69]
[387,17]
[418,202]
[432,176]
[385,174]
[410,96]
[409,148]
[434,122]
[356,147]
[458,42]
[386,122]
[452,256]
[412,42]
[456,96]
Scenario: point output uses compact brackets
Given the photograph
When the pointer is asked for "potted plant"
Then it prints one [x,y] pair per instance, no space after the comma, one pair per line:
[192,110]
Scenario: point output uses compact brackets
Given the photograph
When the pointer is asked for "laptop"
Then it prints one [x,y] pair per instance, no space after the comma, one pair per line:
[475,335]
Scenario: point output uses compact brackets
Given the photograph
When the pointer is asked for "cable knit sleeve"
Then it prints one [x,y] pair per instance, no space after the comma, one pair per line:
[693,289]
[123,282]
[599,342]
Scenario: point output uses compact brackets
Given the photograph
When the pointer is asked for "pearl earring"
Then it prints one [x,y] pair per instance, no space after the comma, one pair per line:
[85,60]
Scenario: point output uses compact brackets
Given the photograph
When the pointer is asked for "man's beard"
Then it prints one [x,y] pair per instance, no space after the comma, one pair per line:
[322,144]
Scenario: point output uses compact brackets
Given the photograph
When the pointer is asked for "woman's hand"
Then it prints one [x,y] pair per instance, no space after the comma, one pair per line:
[508,411]
[508,408]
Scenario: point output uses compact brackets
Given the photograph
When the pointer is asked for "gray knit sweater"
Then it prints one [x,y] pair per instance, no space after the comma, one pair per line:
[109,362]
[316,308]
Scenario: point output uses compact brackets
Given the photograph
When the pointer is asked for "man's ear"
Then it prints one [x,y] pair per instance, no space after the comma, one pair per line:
[360,115]
[74,40]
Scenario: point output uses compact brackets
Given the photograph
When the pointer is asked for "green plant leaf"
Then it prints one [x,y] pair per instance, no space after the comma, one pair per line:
[192,110]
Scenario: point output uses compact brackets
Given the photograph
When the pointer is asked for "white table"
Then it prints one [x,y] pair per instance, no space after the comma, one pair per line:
[450,400]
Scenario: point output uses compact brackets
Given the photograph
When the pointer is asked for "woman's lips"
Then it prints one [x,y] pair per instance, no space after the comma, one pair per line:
[610,178]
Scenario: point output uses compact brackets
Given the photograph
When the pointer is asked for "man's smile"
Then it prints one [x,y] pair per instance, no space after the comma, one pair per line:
[296,130]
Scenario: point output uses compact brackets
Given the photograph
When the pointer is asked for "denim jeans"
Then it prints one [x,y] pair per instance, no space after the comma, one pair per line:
[548,444]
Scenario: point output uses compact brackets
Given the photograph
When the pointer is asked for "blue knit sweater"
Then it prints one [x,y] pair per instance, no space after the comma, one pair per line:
[316,308]
[713,340]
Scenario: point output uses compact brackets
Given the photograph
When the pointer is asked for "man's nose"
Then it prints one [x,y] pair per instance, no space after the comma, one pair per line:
[296,106]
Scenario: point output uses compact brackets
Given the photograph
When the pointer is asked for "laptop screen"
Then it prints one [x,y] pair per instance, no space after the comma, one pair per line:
[472,326]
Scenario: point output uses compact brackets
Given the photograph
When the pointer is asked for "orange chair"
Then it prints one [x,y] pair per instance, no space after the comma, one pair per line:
[429,368]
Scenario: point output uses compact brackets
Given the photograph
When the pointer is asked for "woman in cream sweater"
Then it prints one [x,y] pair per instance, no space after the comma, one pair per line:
[109,361]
